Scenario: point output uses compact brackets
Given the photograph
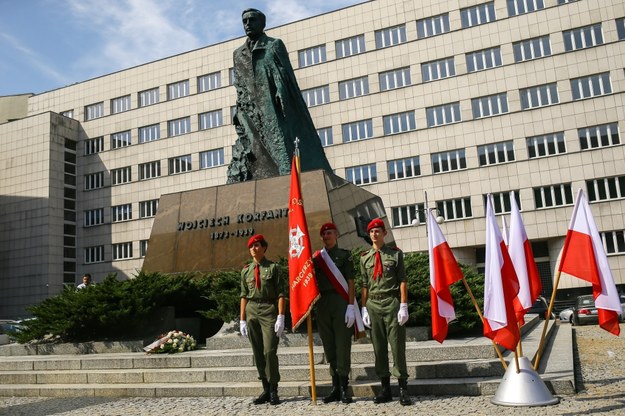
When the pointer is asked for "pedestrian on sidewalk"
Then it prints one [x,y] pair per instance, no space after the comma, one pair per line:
[385,310]
[336,313]
[262,315]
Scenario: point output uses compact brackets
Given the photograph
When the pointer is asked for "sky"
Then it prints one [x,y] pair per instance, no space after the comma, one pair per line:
[48,44]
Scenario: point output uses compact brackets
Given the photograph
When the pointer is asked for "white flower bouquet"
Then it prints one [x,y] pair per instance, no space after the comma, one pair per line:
[172,342]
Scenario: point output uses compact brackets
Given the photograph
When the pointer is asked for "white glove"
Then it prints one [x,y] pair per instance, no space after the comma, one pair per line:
[350,316]
[402,315]
[243,328]
[365,317]
[279,327]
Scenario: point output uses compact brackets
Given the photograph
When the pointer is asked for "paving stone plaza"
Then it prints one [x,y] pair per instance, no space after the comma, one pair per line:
[599,378]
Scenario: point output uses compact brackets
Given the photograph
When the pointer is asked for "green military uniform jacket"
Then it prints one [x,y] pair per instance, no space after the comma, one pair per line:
[394,272]
[342,260]
[271,282]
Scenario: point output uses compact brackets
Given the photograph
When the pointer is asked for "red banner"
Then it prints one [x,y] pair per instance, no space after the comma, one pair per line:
[302,282]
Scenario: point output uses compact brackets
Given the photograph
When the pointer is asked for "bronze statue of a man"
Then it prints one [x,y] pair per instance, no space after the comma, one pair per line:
[270,110]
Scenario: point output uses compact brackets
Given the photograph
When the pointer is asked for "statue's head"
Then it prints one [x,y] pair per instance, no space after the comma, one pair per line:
[253,22]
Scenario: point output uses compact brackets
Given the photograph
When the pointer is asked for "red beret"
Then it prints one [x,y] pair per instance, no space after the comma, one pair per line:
[258,238]
[327,226]
[376,223]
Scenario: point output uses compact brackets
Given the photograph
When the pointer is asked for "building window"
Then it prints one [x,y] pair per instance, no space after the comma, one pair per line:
[149,133]
[68,113]
[93,217]
[490,105]
[150,170]
[566,1]
[404,168]
[399,123]
[353,88]
[317,96]
[350,46]
[591,86]
[211,158]
[325,135]
[449,161]
[358,130]
[443,114]
[121,213]
[404,216]
[545,145]
[620,28]
[211,120]
[477,15]
[232,76]
[94,254]
[484,59]
[179,126]
[553,196]
[613,241]
[455,209]
[604,189]
[120,176]
[95,145]
[517,7]
[539,96]
[209,82]
[122,251]
[179,164]
[390,36]
[396,78]
[94,111]
[147,209]
[143,247]
[178,90]
[442,68]
[432,26]
[531,48]
[312,56]
[583,37]
[493,154]
[599,136]
[121,139]
[148,97]
[120,104]
[94,181]
[361,175]
[501,201]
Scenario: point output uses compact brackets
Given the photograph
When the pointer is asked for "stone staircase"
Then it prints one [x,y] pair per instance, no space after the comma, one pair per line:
[467,366]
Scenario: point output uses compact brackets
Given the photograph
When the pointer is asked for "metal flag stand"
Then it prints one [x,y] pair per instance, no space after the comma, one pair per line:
[522,386]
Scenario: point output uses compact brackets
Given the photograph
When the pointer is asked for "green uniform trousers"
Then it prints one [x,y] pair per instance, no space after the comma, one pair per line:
[385,329]
[336,337]
[261,320]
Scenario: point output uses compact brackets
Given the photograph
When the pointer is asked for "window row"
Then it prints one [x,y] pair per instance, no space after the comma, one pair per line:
[119,251]
[150,170]
[119,213]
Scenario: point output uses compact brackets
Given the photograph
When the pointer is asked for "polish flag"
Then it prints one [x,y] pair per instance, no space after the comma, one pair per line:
[583,256]
[520,251]
[501,286]
[444,271]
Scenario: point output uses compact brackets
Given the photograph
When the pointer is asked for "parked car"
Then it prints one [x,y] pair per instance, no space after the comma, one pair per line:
[622,315]
[585,311]
[566,314]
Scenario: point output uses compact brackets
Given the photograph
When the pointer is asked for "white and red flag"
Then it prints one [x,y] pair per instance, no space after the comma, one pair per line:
[303,288]
[522,257]
[583,256]
[444,271]
[501,287]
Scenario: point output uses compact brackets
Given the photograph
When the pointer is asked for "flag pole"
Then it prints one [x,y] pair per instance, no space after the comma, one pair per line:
[311,355]
[541,344]
[479,313]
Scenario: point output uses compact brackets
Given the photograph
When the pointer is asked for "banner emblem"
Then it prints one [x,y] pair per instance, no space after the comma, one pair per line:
[296,242]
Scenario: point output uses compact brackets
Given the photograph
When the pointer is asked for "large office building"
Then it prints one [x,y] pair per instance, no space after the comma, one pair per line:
[521,99]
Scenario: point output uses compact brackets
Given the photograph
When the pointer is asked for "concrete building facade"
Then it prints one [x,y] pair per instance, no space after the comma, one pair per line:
[457,98]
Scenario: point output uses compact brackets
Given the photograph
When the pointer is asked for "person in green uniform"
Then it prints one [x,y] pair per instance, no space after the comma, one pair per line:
[335,311]
[385,310]
[262,315]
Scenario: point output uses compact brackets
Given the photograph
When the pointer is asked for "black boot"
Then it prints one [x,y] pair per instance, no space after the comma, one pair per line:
[345,396]
[385,395]
[273,395]
[264,396]
[335,394]
[404,396]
